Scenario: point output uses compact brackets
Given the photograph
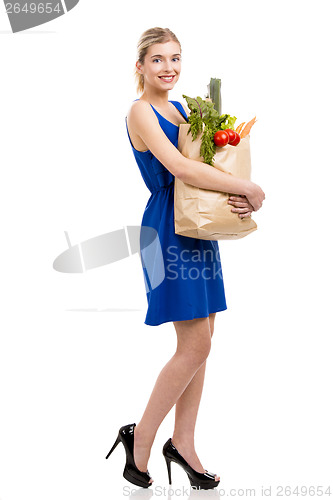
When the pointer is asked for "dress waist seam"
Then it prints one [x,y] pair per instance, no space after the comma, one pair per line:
[162,187]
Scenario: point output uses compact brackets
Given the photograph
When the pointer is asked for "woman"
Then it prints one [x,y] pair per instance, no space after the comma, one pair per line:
[189,299]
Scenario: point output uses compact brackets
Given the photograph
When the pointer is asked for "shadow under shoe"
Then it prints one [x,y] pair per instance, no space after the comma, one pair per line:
[198,480]
[131,472]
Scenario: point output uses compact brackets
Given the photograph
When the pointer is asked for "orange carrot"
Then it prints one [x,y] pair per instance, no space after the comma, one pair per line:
[239,128]
[247,128]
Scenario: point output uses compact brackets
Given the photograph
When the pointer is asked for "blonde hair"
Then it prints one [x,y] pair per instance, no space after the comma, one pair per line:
[148,38]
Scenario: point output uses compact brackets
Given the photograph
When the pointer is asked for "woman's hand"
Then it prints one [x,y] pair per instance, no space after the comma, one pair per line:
[254,195]
[241,205]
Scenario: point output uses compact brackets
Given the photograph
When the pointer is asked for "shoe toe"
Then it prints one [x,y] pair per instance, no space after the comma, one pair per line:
[212,475]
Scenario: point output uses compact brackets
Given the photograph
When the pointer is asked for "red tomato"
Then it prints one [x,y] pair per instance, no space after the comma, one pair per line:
[221,138]
[236,140]
[232,134]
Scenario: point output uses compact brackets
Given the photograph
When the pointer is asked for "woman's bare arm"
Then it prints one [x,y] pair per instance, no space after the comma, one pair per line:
[144,123]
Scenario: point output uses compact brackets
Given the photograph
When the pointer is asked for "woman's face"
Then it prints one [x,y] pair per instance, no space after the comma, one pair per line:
[162,65]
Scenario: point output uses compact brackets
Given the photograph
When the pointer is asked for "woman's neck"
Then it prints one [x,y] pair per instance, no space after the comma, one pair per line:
[158,99]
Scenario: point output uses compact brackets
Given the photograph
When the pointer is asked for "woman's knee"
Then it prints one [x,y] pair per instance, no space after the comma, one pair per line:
[195,355]
[201,354]
[194,339]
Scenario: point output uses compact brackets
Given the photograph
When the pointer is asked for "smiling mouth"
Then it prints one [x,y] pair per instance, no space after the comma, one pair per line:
[167,79]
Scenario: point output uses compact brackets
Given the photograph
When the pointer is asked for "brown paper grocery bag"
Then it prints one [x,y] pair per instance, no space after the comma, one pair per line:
[203,213]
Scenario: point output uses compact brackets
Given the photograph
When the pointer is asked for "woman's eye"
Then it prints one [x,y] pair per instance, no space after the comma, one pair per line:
[157,59]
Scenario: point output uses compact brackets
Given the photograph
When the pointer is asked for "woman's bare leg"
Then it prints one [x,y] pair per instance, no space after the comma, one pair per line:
[193,347]
[186,413]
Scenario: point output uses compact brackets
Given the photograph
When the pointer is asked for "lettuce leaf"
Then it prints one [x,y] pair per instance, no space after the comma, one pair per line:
[202,112]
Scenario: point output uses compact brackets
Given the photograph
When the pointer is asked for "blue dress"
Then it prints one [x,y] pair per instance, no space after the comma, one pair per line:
[183,275]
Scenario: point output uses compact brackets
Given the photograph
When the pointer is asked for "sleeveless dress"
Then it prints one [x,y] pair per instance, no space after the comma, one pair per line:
[183,275]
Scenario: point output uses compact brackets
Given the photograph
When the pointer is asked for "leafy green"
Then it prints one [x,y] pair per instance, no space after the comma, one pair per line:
[203,113]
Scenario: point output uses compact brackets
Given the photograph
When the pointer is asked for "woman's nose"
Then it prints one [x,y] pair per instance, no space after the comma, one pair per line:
[167,66]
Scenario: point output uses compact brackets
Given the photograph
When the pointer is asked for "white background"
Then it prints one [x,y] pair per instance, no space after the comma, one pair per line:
[76,359]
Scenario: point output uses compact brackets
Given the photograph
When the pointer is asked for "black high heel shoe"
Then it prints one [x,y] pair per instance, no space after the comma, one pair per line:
[199,480]
[131,472]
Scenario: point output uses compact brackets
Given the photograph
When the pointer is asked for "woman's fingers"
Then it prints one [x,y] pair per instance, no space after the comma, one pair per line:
[238,207]
[237,201]
[246,214]
[241,210]
[241,205]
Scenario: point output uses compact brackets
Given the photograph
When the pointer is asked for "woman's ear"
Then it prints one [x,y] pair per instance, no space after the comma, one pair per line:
[138,66]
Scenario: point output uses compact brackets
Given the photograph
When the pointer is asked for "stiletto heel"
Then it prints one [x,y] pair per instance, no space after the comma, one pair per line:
[168,462]
[113,447]
[131,472]
[198,480]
